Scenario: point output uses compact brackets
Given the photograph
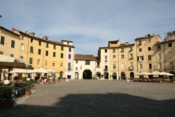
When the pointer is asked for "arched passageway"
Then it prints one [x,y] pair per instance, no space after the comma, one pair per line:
[87,74]
[132,75]
[106,74]
[123,76]
[114,75]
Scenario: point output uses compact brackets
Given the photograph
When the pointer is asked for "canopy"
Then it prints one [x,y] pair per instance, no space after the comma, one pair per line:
[22,71]
[50,71]
[166,74]
[40,70]
[144,73]
[10,62]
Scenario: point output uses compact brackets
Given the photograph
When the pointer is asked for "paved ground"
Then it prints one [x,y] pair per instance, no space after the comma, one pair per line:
[92,98]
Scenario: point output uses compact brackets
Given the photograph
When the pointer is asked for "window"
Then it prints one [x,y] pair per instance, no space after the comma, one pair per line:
[159,66]
[114,50]
[47,53]
[87,62]
[140,58]
[114,65]
[61,64]
[150,66]
[149,57]
[11,55]
[62,55]
[38,61]
[130,56]
[80,67]
[54,46]
[1,53]
[39,42]
[158,47]
[130,48]
[122,56]
[39,51]
[122,49]
[140,49]
[131,63]
[54,54]
[69,56]
[114,57]
[149,48]
[105,50]
[53,64]
[13,44]
[170,54]
[31,49]
[106,57]
[140,42]
[76,68]
[30,60]
[171,65]
[22,37]
[170,45]
[141,67]
[69,65]
[47,45]
[76,61]
[149,40]
[31,40]
[69,49]
[45,63]
[62,47]
[106,67]
[2,40]
[159,56]
[22,47]
[21,57]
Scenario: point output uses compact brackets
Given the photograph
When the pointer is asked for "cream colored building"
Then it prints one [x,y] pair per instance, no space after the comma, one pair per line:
[84,66]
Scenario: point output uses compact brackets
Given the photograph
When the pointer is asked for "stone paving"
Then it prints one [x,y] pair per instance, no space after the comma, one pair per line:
[98,98]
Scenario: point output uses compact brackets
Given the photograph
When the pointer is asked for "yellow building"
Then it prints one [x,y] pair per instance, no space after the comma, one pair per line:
[40,52]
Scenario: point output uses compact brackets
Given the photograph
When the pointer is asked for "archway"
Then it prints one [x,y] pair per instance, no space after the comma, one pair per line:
[114,75]
[61,74]
[76,75]
[123,76]
[132,75]
[172,72]
[87,74]
[106,75]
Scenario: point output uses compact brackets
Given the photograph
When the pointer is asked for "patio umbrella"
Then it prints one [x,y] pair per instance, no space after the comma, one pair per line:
[10,62]
[21,71]
[144,73]
[40,70]
[166,74]
[156,73]
[50,71]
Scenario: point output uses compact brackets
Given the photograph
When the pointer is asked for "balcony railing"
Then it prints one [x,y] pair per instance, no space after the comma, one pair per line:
[69,68]
[98,66]
[140,43]
[131,67]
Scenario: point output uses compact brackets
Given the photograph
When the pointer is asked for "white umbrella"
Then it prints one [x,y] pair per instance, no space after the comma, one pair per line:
[166,74]
[50,71]
[156,73]
[40,70]
[10,62]
[144,73]
[21,71]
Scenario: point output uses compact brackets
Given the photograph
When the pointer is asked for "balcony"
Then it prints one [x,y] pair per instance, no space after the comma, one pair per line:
[140,43]
[122,51]
[130,58]
[98,66]
[105,69]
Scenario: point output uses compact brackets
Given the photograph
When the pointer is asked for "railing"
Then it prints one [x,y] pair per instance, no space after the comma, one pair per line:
[131,67]
[105,69]
[69,68]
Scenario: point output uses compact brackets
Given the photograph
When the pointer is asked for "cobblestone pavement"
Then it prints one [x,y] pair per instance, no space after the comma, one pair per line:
[98,98]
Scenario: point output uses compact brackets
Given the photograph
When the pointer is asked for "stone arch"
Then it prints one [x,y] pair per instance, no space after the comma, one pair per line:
[87,74]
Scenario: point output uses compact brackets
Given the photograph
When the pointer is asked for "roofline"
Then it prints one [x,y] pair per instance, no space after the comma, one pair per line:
[9,31]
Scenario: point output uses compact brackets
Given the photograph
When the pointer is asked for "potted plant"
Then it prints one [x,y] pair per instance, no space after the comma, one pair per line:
[173,79]
[160,80]
[6,100]
[28,87]
[59,79]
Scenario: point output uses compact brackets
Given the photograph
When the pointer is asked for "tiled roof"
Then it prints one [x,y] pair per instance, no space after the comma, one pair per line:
[84,57]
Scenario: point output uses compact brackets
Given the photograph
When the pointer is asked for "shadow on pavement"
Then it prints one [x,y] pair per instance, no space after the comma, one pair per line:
[97,105]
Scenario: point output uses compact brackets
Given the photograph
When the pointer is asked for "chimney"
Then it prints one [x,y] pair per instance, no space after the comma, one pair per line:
[13,29]
[126,43]
[32,33]
[46,37]
[26,32]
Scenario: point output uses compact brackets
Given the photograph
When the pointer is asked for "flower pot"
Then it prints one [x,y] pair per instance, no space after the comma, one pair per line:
[7,104]
[33,88]
[27,93]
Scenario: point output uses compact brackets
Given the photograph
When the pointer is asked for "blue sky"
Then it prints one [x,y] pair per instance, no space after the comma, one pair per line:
[90,24]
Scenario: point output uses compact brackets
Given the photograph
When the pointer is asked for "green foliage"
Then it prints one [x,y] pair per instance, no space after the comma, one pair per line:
[29,85]
[6,93]
[24,79]
[160,79]
[59,78]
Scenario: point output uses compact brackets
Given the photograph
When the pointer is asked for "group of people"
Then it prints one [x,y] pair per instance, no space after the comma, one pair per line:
[51,81]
